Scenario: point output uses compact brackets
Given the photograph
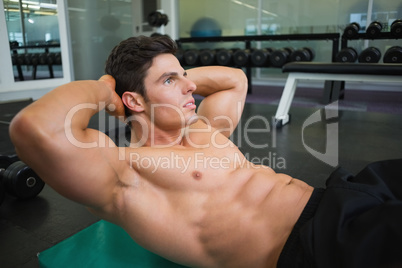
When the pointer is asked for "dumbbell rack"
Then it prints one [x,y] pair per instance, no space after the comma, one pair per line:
[45,51]
[382,35]
[247,39]
[360,36]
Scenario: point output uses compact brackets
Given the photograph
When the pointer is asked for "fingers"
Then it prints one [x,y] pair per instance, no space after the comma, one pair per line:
[116,106]
[109,81]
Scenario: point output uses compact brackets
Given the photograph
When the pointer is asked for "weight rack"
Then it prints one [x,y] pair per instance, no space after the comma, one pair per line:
[247,39]
[363,36]
[382,35]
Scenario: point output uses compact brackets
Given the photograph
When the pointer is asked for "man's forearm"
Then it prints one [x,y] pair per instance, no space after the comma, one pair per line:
[46,118]
[51,110]
[225,91]
[52,136]
[210,80]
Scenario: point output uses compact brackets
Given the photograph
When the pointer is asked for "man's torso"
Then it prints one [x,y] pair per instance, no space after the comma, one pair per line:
[206,206]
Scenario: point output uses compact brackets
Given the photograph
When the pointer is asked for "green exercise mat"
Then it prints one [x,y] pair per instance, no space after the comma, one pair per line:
[102,244]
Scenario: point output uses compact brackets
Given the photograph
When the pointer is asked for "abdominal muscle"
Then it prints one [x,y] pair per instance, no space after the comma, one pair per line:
[248,225]
[228,218]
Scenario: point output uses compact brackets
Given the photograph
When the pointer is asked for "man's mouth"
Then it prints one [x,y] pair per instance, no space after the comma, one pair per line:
[190,104]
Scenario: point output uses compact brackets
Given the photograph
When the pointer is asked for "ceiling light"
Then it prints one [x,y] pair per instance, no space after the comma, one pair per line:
[33,7]
[46,5]
[45,13]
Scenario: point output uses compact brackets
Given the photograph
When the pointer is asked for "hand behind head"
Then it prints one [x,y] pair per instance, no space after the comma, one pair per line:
[115,106]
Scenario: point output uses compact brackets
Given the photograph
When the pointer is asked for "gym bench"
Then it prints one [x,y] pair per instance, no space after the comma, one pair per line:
[329,72]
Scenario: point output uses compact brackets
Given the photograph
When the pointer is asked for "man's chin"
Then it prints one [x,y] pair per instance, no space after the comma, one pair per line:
[193,119]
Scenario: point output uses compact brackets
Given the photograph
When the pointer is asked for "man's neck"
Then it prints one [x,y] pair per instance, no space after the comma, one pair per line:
[156,137]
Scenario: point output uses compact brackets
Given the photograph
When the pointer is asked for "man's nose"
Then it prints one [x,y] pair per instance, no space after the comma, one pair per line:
[189,87]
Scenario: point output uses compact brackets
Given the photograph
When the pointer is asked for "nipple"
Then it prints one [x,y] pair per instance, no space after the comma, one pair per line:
[197,175]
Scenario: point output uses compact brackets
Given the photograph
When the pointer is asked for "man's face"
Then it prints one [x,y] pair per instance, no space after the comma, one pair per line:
[169,91]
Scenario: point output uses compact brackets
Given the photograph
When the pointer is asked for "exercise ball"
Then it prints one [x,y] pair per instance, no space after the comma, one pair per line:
[206,27]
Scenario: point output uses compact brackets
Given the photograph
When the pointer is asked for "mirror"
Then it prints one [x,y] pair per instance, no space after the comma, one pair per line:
[33,33]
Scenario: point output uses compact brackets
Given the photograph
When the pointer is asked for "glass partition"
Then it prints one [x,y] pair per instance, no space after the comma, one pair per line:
[250,17]
[34,48]
[95,28]
[284,17]
[33,33]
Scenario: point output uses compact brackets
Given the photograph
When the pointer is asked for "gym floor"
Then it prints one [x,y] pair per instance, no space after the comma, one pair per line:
[369,129]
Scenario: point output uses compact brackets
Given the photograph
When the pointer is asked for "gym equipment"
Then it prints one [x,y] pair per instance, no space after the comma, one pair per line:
[5,162]
[348,54]
[241,57]
[396,28]
[57,58]
[21,181]
[103,244]
[157,19]
[261,57]
[207,57]
[302,54]
[281,56]
[180,56]
[14,44]
[335,71]
[351,30]
[393,55]
[35,59]
[191,57]
[224,57]
[18,59]
[374,29]
[370,55]
[206,27]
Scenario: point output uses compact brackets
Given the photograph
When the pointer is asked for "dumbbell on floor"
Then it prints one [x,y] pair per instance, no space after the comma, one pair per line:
[21,181]
[393,55]
[5,162]
[18,179]
[370,55]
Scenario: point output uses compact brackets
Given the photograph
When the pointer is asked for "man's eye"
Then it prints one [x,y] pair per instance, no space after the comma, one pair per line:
[168,81]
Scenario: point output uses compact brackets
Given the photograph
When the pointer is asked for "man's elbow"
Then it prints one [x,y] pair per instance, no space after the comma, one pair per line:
[25,134]
[242,81]
[16,129]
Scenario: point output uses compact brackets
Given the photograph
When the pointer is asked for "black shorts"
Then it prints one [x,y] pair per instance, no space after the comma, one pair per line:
[355,222]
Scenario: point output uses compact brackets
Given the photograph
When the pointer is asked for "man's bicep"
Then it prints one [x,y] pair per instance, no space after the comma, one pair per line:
[224,90]
[223,110]
[80,167]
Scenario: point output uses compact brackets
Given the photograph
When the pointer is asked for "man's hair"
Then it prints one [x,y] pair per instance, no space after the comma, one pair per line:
[130,60]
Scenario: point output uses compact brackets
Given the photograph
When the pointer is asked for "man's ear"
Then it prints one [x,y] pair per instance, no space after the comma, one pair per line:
[134,101]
